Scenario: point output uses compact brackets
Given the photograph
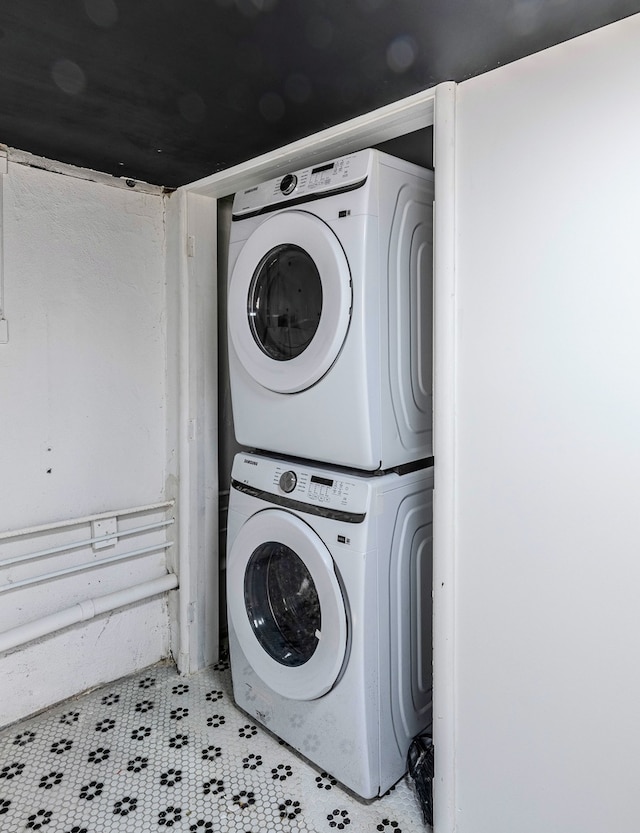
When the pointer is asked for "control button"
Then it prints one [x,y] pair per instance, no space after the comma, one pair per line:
[288,481]
[288,183]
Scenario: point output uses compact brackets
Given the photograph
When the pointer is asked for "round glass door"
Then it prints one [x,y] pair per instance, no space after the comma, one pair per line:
[285,302]
[282,604]
[285,604]
[289,301]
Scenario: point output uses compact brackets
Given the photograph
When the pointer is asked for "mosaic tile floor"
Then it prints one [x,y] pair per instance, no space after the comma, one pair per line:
[157,752]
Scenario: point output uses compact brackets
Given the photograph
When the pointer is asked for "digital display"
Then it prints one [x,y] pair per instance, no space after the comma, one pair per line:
[323,481]
[322,168]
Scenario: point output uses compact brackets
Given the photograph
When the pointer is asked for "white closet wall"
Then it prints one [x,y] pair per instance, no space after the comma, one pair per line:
[547,721]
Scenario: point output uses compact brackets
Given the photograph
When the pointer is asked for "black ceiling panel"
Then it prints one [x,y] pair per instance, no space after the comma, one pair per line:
[169,91]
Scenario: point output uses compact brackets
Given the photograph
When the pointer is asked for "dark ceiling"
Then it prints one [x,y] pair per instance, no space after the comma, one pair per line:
[169,91]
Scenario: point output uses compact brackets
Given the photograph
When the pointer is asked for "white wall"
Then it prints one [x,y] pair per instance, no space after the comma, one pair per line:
[548,440]
[83,373]
[82,416]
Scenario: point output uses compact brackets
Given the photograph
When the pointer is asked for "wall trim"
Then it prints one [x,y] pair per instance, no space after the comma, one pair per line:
[389,122]
[30,160]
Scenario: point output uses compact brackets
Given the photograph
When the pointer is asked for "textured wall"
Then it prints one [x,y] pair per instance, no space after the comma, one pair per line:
[82,377]
[82,420]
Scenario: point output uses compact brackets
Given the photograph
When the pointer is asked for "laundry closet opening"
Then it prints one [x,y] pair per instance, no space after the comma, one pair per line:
[426,121]
[415,147]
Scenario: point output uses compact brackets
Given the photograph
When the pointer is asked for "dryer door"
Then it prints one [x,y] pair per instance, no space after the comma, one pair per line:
[289,301]
[286,606]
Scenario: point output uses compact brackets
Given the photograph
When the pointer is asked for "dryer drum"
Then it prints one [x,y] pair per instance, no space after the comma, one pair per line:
[285,302]
[290,298]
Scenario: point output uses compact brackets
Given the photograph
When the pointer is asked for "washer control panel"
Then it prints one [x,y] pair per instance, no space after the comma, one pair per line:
[347,171]
[303,483]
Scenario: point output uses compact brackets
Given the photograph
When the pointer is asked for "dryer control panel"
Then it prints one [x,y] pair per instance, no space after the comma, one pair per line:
[302,483]
[341,174]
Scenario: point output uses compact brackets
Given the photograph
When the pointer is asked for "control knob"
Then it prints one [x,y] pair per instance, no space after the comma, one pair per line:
[288,481]
[288,183]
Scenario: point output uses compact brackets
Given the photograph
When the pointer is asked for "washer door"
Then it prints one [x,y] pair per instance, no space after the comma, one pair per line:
[289,301]
[286,606]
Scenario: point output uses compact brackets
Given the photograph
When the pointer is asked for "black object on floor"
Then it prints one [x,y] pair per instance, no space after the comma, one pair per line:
[421,769]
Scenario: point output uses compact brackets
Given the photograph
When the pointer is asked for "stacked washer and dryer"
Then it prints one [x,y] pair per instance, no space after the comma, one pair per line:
[329,542]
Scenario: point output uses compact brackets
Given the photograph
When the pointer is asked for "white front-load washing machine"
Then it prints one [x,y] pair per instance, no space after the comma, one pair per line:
[330,312]
[329,602]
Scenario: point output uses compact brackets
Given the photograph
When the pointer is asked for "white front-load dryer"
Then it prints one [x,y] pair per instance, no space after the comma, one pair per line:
[329,604]
[330,313]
